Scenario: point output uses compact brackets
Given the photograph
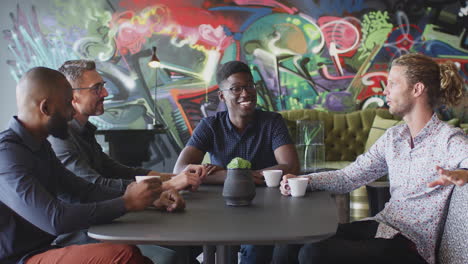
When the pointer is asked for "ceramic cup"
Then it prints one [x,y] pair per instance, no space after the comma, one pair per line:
[298,186]
[142,178]
[272,177]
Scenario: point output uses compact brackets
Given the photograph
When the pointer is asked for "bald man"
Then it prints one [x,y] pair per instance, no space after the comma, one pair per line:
[40,199]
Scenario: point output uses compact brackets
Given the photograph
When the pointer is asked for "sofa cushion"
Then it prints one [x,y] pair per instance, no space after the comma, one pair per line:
[379,126]
[464,126]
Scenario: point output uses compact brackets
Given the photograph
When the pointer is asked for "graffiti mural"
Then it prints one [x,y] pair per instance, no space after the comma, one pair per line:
[326,55]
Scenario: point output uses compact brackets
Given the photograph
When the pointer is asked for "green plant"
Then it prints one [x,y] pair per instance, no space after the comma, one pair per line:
[239,163]
[310,132]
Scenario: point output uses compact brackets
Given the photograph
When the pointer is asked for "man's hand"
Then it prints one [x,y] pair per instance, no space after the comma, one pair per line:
[258,177]
[200,170]
[170,200]
[140,195]
[183,180]
[163,176]
[284,186]
[211,168]
[447,177]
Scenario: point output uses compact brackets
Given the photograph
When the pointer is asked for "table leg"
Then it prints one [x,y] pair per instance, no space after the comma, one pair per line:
[222,254]
[209,254]
[226,254]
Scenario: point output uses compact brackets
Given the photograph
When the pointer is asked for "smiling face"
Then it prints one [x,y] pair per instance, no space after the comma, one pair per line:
[398,92]
[88,102]
[243,104]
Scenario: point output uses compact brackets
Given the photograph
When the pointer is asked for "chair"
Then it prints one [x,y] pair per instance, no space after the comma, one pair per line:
[453,247]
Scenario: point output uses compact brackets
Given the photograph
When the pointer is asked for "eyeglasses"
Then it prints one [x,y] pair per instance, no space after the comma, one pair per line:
[236,90]
[97,88]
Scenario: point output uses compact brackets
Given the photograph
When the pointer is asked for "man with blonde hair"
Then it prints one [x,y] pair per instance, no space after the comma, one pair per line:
[424,159]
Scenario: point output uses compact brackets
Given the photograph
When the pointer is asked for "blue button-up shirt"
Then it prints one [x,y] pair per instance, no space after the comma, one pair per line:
[218,136]
[40,199]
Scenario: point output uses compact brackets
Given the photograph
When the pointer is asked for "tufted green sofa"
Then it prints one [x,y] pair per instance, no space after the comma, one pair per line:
[345,134]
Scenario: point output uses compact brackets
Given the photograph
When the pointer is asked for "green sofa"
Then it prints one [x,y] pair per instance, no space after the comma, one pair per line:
[345,134]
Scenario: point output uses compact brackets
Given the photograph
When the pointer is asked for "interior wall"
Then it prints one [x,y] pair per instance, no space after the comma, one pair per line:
[329,55]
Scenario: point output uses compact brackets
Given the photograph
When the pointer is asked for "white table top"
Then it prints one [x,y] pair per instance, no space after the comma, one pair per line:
[272,218]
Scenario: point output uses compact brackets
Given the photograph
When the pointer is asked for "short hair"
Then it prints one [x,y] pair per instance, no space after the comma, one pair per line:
[36,84]
[74,69]
[43,75]
[443,82]
[229,68]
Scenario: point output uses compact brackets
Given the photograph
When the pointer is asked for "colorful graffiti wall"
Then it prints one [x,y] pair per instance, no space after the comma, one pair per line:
[331,55]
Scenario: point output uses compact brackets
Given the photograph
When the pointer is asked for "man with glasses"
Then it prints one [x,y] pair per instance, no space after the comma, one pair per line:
[83,155]
[242,131]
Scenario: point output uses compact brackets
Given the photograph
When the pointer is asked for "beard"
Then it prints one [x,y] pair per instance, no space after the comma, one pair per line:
[401,109]
[58,126]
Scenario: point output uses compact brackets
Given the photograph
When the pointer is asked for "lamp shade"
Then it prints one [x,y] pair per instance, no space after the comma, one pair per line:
[154,62]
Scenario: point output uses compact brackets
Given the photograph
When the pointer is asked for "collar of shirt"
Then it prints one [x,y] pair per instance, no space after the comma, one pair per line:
[87,129]
[21,131]
[231,127]
[427,130]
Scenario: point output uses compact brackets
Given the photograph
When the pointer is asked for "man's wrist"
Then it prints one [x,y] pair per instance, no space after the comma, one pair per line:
[167,185]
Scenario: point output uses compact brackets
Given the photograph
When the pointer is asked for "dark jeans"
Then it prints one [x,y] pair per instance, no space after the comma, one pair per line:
[257,254]
[352,243]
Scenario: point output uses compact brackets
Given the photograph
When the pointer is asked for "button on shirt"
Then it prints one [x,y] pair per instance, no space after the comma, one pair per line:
[40,199]
[414,210]
[218,136]
[82,154]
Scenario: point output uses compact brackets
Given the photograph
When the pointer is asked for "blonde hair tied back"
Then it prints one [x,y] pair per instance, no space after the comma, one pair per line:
[443,82]
[451,83]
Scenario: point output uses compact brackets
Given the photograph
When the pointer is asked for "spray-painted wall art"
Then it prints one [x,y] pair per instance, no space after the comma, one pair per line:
[331,55]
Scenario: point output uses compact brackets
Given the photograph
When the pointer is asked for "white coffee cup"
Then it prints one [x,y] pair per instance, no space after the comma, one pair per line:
[142,178]
[298,186]
[272,177]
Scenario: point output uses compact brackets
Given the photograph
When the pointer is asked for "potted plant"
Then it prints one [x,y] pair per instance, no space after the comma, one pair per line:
[239,187]
[310,144]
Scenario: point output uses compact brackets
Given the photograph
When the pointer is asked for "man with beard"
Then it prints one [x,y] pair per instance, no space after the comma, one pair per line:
[40,199]
[423,158]
[242,131]
[83,155]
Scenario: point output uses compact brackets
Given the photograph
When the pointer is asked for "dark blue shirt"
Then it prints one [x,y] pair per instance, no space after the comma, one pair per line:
[257,143]
[82,154]
[40,199]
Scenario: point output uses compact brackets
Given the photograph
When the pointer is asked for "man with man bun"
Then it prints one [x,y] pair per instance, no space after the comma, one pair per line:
[424,159]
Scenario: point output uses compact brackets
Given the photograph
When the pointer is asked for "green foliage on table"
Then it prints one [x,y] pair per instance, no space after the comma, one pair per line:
[239,163]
